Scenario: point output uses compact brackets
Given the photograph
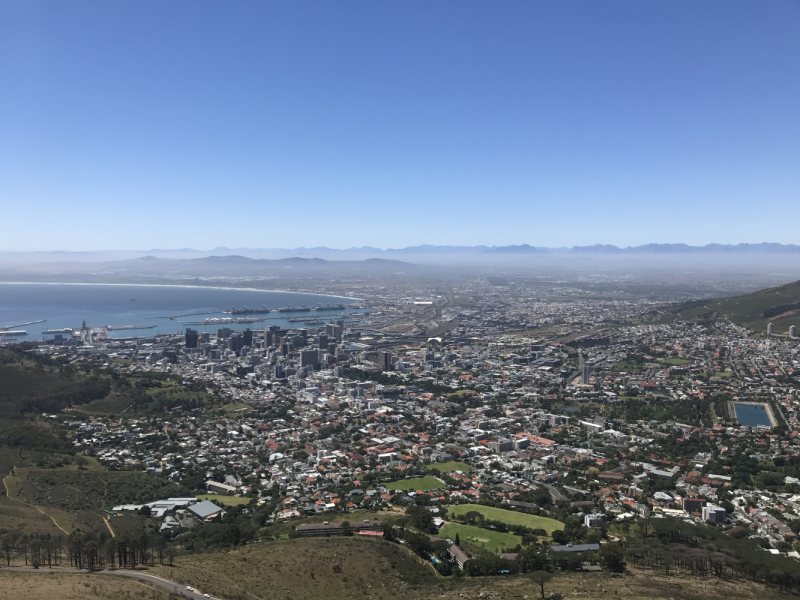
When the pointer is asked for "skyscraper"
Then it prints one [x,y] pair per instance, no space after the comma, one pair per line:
[191,338]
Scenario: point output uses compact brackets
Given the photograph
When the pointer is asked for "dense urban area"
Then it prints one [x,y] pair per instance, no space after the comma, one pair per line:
[484,429]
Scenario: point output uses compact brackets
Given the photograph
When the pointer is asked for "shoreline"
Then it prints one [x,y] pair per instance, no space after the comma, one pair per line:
[174,285]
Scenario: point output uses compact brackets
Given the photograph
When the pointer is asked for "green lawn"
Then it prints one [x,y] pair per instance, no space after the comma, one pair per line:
[449,467]
[723,374]
[419,483]
[629,366]
[674,361]
[479,538]
[510,517]
[227,500]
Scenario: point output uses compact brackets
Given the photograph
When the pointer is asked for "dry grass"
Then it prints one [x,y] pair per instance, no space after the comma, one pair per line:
[305,569]
[24,518]
[46,586]
[636,585]
[302,569]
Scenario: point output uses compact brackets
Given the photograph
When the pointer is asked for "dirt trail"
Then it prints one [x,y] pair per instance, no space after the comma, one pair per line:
[5,485]
[108,524]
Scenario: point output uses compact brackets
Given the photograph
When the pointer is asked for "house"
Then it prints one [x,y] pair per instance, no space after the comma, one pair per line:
[459,556]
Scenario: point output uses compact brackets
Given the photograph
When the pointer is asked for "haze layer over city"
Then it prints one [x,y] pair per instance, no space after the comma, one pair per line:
[376,300]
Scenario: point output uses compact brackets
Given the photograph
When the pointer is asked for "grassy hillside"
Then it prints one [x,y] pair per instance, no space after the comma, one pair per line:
[72,490]
[778,305]
[306,569]
[303,569]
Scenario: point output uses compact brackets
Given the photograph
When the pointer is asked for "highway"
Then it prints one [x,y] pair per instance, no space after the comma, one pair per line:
[169,586]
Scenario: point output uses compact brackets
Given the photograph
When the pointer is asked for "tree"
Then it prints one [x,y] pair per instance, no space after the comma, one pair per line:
[612,558]
[540,578]
[345,528]
[559,537]
[7,544]
[458,541]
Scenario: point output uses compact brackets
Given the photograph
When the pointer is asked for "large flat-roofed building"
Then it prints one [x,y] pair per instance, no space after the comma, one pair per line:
[216,487]
[207,511]
[575,548]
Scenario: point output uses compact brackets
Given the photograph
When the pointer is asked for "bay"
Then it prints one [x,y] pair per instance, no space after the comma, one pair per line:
[99,305]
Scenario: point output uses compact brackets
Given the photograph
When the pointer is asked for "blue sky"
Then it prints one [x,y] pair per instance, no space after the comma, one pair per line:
[136,124]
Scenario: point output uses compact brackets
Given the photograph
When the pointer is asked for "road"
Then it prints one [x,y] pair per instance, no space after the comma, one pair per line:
[170,586]
[557,496]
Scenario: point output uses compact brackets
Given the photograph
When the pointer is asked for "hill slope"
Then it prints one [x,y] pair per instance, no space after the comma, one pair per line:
[301,569]
[779,306]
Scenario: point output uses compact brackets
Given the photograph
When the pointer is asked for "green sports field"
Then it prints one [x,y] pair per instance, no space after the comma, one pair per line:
[227,500]
[480,538]
[511,517]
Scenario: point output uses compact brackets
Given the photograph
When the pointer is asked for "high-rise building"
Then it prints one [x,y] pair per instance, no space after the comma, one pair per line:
[586,371]
[334,331]
[309,358]
[793,331]
[585,368]
[384,361]
[191,338]
[247,337]
[770,328]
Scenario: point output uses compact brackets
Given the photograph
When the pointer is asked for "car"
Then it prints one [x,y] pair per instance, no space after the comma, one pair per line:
[206,596]
[190,588]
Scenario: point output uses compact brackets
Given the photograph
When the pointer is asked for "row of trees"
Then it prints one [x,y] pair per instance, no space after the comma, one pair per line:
[88,550]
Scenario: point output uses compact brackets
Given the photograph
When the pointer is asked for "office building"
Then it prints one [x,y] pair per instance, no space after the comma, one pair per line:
[309,358]
[586,371]
[191,338]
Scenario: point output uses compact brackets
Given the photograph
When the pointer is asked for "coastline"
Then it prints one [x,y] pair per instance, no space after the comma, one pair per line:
[173,285]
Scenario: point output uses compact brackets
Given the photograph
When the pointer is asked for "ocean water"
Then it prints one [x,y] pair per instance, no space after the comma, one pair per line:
[69,305]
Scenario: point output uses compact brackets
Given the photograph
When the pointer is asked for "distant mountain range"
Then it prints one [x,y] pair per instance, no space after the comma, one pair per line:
[763,247]
[424,254]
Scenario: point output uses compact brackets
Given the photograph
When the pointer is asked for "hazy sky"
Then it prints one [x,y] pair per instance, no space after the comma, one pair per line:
[169,124]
